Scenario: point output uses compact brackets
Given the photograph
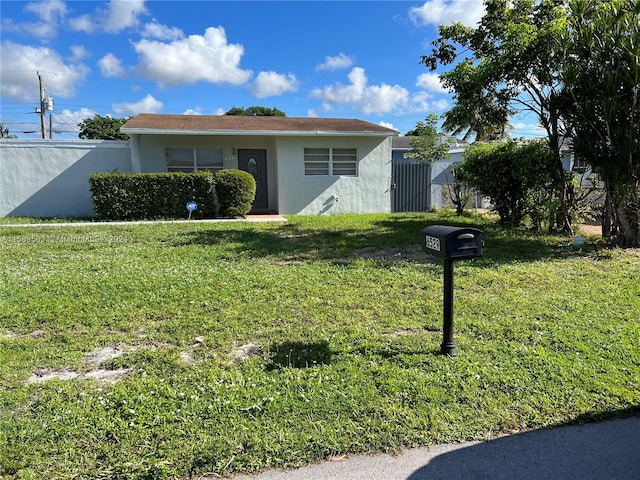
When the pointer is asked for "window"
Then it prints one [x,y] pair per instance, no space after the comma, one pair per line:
[330,161]
[193,159]
[580,165]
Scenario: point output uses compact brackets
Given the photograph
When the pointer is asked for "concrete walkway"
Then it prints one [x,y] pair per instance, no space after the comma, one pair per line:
[597,451]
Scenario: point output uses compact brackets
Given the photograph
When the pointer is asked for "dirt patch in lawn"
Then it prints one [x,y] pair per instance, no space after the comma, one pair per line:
[95,364]
[410,254]
[34,334]
[92,360]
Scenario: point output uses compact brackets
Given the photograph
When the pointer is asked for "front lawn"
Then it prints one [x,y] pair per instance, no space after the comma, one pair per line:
[120,346]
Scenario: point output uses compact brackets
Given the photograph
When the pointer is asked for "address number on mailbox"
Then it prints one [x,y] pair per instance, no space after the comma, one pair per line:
[432,243]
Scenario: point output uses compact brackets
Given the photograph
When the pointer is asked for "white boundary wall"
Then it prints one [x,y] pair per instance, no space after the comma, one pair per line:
[50,178]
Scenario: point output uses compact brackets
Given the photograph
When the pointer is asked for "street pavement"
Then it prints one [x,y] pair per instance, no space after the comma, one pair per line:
[605,450]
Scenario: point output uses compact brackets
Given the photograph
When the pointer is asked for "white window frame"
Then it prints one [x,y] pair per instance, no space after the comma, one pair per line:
[189,157]
[330,162]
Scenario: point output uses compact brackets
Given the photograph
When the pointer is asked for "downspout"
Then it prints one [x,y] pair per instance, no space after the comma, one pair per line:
[136,161]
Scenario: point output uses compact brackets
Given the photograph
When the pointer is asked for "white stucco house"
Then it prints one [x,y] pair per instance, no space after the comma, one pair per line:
[306,166]
[302,166]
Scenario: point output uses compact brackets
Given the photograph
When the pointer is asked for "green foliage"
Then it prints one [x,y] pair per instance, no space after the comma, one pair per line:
[256,111]
[102,128]
[235,191]
[601,100]
[136,196]
[479,108]
[517,178]
[424,140]
[547,335]
[4,132]
[509,62]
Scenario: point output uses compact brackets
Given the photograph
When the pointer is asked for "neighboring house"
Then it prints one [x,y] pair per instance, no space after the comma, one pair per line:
[301,165]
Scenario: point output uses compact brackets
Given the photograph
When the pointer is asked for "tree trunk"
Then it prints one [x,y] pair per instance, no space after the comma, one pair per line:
[563,220]
[608,212]
[628,210]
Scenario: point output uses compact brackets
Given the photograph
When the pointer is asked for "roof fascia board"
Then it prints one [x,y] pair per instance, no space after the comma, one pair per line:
[274,133]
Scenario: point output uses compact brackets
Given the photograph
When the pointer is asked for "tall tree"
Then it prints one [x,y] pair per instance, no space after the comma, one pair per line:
[480,108]
[256,111]
[102,128]
[426,143]
[601,76]
[507,63]
[4,132]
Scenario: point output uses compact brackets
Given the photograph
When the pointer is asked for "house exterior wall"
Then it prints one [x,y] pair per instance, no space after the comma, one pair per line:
[368,192]
[442,180]
[439,191]
[152,153]
[289,190]
[49,178]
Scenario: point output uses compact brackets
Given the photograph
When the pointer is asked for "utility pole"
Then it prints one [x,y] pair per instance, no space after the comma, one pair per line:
[43,128]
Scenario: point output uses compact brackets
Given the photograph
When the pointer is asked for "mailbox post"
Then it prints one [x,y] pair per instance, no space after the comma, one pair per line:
[450,244]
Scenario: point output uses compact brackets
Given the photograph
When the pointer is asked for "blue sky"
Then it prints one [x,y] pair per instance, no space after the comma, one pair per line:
[309,59]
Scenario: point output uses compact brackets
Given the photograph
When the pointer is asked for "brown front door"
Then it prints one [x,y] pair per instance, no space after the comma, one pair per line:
[255,162]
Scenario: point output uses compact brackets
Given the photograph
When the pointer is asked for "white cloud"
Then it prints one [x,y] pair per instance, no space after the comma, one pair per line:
[192,59]
[338,62]
[83,23]
[382,98]
[119,15]
[72,119]
[19,64]
[161,32]
[193,111]
[49,13]
[270,84]
[422,102]
[147,105]
[123,14]
[365,98]
[312,113]
[430,82]
[387,125]
[111,66]
[342,94]
[79,52]
[445,12]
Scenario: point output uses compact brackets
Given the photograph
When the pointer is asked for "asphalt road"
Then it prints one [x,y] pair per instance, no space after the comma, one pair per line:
[605,450]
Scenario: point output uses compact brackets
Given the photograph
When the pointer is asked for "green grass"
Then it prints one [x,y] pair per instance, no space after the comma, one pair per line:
[350,334]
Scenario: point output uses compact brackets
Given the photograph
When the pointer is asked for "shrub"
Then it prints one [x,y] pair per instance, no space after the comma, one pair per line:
[235,191]
[516,177]
[138,196]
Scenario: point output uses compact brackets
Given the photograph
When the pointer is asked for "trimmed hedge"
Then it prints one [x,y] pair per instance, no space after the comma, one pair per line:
[235,191]
[149,196]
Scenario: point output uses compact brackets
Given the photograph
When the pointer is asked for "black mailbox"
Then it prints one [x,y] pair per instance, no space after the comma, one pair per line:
[452,243]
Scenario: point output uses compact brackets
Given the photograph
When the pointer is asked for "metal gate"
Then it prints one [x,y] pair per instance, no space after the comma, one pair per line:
[410,186]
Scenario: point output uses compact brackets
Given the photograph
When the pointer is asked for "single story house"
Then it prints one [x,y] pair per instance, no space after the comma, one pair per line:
[302,166]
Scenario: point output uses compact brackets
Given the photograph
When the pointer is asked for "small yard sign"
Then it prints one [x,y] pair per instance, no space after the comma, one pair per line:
[191,206]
